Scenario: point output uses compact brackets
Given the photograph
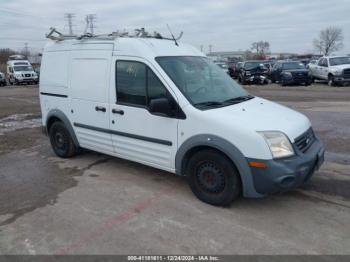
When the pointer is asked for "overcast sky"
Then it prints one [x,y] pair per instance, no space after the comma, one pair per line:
[228,25]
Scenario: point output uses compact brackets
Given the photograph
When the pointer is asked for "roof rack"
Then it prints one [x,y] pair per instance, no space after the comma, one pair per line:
[55,35]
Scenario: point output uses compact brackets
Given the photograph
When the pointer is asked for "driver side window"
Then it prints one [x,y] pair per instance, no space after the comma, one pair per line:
[137,84]
[155,88]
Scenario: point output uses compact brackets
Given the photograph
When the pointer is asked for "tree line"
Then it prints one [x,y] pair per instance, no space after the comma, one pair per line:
[329,40]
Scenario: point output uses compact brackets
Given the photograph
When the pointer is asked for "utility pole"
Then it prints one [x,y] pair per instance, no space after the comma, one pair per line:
[90,18]
[26,50]
[69,17]
[210,48]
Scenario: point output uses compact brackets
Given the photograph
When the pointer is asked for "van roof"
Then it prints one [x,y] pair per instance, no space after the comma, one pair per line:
[127,46]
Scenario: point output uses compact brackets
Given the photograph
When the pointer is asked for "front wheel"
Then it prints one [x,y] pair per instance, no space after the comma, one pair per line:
[61,141]
[213,178]
[331,80]
[283,82]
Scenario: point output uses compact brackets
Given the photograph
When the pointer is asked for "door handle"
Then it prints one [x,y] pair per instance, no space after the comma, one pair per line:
[100,108]
[116,111]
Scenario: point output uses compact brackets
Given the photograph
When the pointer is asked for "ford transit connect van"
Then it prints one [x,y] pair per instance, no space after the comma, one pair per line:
[168,106]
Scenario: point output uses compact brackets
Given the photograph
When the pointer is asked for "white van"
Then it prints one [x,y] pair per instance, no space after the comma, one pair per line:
[20,72]
[168,106]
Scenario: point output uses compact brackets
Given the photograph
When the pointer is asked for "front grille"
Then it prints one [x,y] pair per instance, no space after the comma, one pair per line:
[27,75]
[304,141]
[299,76]
[346,73]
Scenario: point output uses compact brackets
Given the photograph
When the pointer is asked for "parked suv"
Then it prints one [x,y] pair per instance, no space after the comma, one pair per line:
[234,69]
[253,72]
[2,79]
[334,69]
[21,72]
[170,107]
[290,72]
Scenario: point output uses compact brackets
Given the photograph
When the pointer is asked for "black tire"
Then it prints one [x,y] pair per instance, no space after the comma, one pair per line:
[213,178]
[331,81]
[61,140]
[243,82]
[283,82]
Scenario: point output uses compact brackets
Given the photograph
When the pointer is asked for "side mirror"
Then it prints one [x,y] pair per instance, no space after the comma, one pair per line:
[160,106]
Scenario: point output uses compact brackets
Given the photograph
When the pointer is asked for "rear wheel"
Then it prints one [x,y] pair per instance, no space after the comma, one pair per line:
[61,140]
[213,178]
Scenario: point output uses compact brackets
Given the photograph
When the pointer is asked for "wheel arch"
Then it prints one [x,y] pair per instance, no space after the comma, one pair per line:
[57,115]
[200,142]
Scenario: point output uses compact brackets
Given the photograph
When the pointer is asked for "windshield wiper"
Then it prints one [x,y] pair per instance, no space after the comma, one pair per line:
[239,99]
[227,102]
[208,104]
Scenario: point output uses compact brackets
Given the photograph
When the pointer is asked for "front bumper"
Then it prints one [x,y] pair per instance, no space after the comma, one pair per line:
[285,174]
[297,80]
[341,79]
[27,80]
[255,78]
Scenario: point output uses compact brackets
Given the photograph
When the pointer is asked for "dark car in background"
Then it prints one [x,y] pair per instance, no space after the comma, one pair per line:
[2,79]
[234,69]
[253,71]
[223,66]
[290,72]
[268,65]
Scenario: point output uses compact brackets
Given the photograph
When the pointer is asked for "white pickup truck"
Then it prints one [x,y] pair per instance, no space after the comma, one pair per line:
[334,69]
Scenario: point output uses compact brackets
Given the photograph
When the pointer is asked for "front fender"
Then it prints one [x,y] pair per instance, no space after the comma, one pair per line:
[225,147]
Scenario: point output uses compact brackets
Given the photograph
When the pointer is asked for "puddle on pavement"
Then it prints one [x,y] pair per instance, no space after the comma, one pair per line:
[18,121]
[29,182]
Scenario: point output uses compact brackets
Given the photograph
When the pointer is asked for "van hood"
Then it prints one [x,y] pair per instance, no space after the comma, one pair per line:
[259,114]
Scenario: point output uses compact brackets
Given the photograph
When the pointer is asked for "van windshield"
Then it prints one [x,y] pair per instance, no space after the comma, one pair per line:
[202,82]
[22,68]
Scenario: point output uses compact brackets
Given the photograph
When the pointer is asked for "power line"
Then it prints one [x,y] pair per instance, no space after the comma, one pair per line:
[16,12]
[22,39]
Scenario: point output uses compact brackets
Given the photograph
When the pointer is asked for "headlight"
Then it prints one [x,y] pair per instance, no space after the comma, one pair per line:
[337,72]
[278,143]
[288,74]
[18,75]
